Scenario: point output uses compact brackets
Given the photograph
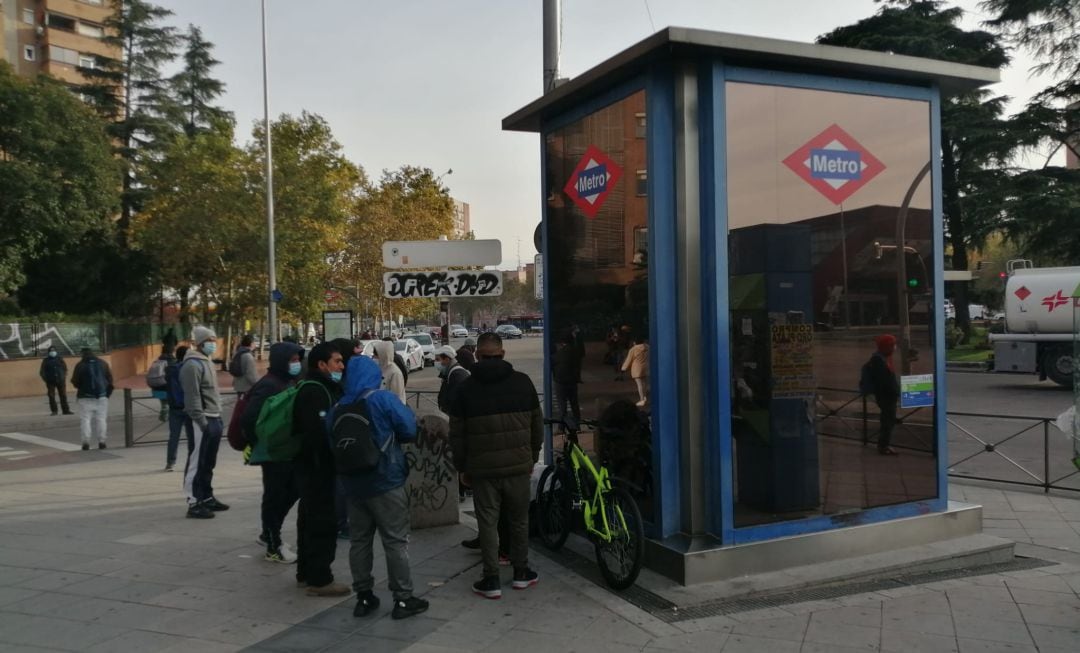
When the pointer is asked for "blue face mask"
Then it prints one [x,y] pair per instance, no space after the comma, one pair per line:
[294,368]
[52,354]
[209,348]
[335,377]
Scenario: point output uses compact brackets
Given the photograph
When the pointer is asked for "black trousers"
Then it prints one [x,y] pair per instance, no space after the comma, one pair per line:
[567,393]
[57,390]
[316,524]
[280,493]
[888,423]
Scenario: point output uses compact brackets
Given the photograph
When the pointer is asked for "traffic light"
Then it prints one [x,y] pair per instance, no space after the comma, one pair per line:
[913,283]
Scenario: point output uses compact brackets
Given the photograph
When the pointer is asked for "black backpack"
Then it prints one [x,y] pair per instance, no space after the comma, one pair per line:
[352,439]
[236,365]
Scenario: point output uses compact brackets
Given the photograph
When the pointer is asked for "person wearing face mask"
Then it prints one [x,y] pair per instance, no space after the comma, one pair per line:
[451,373]
[93,383]
[280,488]
[202,404]
[316,523]
[53,372]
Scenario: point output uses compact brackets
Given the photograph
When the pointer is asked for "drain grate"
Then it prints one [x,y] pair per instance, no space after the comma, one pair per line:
[665,610]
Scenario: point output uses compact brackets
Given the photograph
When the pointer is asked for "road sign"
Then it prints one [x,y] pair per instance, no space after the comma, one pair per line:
[592,181]
[331,296]
[835,164]
[399,254]
[337,324]
[275,295]
[917,391]
[538,276]
[459,283]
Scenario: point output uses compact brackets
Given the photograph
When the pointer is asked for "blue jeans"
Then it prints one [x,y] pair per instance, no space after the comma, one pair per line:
[177,420]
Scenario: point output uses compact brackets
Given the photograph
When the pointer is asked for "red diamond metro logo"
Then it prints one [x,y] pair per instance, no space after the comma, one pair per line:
[835,164]
[592,181]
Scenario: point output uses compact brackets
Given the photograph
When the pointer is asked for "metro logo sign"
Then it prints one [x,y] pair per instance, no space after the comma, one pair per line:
[835,164]
[592,181]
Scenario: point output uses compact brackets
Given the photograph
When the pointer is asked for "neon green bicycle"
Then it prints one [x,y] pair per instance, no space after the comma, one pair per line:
[609,515]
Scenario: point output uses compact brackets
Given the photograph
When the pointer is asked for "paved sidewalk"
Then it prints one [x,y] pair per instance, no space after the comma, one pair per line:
[99,557]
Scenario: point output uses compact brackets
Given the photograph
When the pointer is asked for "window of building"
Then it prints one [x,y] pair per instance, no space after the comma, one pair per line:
[63,23]
[639,125]
[63,55]
[90,29]
[641,185]
[87,61]
[29,53]
[93,2]
[641,239]
[28,16]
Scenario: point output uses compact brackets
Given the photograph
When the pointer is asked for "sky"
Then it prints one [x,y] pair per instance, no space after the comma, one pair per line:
[428,82]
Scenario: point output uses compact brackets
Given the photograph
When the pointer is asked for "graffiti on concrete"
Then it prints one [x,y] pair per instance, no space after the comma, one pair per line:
[432,484]
[21,340]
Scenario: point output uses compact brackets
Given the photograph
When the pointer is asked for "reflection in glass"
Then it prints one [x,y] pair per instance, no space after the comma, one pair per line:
[597,269]
[813,252]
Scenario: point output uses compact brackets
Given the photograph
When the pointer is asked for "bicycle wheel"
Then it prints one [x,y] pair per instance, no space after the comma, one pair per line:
[553,498]
[620,559]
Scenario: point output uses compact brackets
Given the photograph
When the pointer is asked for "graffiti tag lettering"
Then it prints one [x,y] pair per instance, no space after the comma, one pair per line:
[405,285]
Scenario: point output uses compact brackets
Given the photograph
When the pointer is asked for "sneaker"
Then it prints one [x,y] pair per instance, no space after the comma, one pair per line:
[283,555]
[68,412]
[199,511]
[262,541]
[101,445]
[215,505]
[471,544]
[504,560]
[169,467]
[410,607]
[489,587]
[86,446]
[343,535]
[54,413]
[367,603]
[525,578]
[330,589]
[289,554]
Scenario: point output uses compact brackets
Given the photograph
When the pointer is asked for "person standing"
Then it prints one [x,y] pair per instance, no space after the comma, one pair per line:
[392,375]
[54,373]
[280,486]
[886,389]
[496,430]
[451,374]
[242,367]
[316,524]
[202,405]
[566,373]
[377,499]
[178,419]
[93,383]
[637,363]
[466,355]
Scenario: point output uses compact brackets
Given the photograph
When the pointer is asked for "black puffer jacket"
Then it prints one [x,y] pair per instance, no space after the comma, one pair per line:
[496,425]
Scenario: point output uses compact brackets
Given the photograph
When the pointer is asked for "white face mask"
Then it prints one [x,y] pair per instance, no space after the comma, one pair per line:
[209,348]
[441,367]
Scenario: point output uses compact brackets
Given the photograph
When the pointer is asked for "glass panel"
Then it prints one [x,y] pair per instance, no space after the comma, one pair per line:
[823,267]
[597,267]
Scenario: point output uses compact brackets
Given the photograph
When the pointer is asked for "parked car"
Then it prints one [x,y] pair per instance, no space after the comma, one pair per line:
[508,332]
[427,343]
[458,331]
[977,311]
[411,351]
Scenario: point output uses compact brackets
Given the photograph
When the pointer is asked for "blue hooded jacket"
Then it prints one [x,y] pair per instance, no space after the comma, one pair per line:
[389,417]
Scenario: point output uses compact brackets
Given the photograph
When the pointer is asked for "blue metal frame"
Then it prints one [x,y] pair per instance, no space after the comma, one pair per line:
[715,221]
[940,406]
[657,82]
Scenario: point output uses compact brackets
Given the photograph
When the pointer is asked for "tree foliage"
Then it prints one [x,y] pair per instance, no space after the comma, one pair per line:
[58,180]
[194,89]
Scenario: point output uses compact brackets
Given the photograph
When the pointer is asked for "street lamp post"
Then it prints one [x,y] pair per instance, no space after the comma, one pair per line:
[270,262]
[901,273]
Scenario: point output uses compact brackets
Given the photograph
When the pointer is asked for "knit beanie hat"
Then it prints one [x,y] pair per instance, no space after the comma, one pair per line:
[201,334]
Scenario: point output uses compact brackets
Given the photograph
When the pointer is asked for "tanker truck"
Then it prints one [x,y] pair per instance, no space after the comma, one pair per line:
[1038,336]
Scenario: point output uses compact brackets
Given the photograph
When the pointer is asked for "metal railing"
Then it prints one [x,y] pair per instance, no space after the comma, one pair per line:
[142,417]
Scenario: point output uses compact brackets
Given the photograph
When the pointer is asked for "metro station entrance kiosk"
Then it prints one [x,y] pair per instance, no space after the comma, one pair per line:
[730,224]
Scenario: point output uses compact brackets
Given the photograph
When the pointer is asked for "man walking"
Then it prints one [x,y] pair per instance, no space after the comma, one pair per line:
[54,373]
[242,367]
[280,488]
[377,499]
[93,383]
[202,405]
[496,429]
[881,377]
[316,524]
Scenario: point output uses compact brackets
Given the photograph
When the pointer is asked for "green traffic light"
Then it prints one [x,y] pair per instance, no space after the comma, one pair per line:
[913,283]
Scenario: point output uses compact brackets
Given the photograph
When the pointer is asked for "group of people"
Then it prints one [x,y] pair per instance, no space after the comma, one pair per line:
[93,384]
[495,432]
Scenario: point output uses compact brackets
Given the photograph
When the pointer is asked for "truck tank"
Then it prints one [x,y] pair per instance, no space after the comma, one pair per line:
[1039,300]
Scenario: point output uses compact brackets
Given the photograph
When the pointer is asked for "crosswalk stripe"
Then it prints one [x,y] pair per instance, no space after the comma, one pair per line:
[40,441]
[6,454]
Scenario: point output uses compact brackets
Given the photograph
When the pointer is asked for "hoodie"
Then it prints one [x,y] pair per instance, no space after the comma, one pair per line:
[275,380]
[389,418]
[199,380]
[392,380]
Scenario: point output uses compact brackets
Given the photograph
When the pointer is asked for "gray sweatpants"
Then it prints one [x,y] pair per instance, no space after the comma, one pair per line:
[389,513]
[492,498]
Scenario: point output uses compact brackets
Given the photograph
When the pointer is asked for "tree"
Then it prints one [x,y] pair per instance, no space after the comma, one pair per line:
[194,89]
[132,94]
[58,181]
[409,203]
[315,192]
[975,139]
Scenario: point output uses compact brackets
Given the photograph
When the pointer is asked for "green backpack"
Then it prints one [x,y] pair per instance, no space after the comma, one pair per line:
[275,440]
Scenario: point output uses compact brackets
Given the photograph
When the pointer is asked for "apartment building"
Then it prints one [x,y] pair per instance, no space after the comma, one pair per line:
[462,225]
[55,37]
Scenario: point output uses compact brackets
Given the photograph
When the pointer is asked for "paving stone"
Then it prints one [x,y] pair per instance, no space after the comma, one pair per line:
[929,624]
[1066,616]
[300,638]
[983,646]
[786,628]
[1056,636]
[364,643]
[905,641]
[143,642]
[469,637]
[700,641]
[856,616]
[992,630]
[10,595]
[861,637]
[750,644]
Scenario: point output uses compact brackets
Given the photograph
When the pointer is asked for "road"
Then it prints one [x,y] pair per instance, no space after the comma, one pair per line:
[1002,395]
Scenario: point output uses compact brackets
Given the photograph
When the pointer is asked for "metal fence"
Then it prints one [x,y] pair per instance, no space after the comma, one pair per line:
[33,339]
